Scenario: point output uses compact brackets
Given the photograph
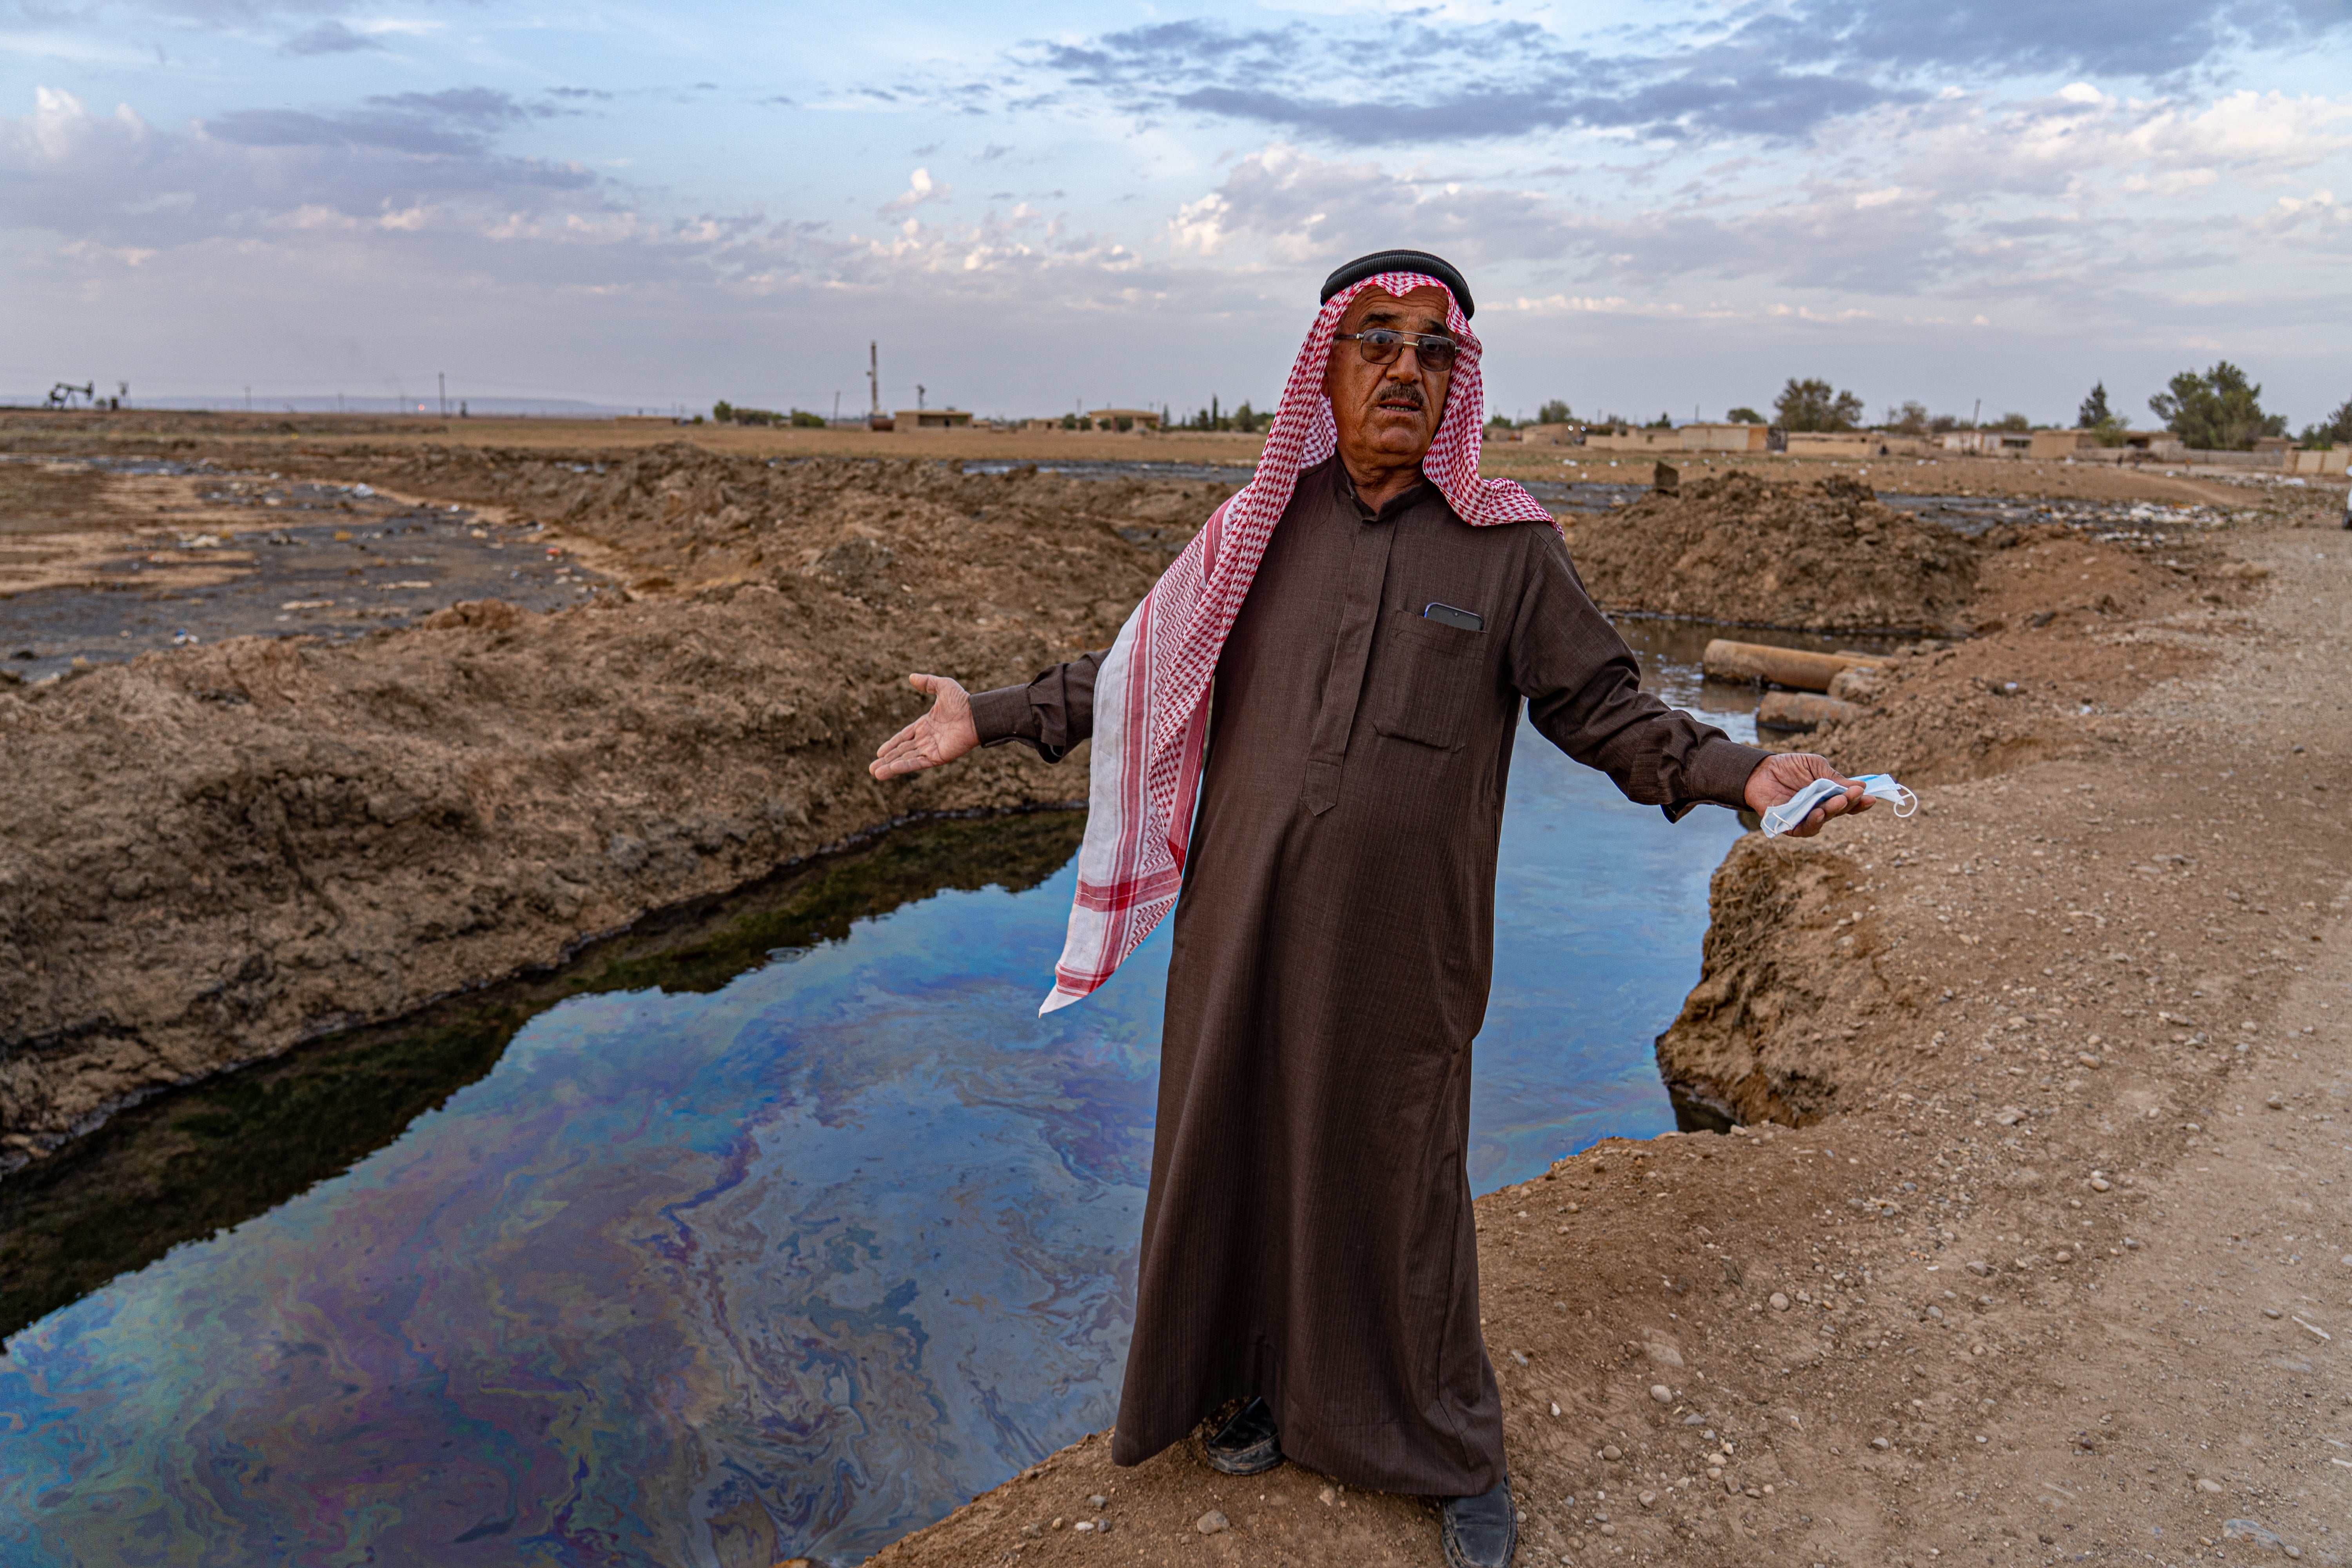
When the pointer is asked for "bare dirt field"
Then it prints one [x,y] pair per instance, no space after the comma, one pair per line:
[252,435]
[2035,1247]
[260,439]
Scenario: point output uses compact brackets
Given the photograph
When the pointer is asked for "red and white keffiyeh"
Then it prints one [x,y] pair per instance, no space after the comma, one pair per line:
[1151,694]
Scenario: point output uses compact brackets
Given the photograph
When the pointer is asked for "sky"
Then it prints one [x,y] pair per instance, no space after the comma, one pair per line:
[1660,208]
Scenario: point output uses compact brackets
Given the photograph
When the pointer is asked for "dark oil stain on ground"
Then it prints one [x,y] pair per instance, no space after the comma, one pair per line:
[326,560]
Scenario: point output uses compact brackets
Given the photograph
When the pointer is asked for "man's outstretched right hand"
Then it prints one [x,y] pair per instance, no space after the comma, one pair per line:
[941,735]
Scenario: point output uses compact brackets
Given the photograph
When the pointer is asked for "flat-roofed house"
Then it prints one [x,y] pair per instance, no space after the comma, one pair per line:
[1624,440]
[1837,444]
[1990,443]
[1727,438]
[2060,443]
[1697,437]
[932,419]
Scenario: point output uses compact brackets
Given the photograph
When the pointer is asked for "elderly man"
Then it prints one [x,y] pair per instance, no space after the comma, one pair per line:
[1334,669]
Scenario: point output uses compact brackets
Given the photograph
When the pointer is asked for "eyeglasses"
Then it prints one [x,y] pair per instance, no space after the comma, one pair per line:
[1381,346]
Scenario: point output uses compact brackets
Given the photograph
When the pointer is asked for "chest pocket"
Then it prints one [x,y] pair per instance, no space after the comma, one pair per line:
[1427,679]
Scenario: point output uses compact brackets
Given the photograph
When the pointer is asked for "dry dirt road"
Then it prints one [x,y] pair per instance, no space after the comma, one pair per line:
[2057,1267]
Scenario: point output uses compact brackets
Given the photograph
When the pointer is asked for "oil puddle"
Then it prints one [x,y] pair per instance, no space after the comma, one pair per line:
[781,1227]
[2112,520]
[158,554]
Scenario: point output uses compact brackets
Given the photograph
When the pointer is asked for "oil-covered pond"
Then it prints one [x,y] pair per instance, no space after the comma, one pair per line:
[778,1227]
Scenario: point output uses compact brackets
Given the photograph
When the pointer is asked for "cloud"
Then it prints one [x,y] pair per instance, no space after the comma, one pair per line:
[114,180]
[328,38]
[1456,82]
[2064,202]
[239,15]
[920,188]
[362,193]
[2140,38]
[1773,73]
[457,123]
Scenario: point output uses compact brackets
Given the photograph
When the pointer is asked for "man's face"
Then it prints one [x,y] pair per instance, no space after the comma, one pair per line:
[1387,412]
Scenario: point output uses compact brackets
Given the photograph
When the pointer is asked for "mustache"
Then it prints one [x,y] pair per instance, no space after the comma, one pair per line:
[1405,392]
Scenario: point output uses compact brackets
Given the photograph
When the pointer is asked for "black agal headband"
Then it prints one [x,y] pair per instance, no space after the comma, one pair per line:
[1381,261]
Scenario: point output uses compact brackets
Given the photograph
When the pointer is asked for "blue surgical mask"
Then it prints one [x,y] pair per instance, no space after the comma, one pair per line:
[1792,812]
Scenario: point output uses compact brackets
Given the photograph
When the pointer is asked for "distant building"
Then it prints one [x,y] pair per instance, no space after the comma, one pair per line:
[1727,438]
[1990,443]
[2050,444]
[1624,440]
[1838,444]
[932,419]
[1135,418]
[1699,437]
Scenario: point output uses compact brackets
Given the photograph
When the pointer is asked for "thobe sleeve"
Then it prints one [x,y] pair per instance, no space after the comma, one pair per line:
[1584,692]
[1049,715]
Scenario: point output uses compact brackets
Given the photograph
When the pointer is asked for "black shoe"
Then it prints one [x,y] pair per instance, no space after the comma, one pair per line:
[1247,1444]
[1481,1531]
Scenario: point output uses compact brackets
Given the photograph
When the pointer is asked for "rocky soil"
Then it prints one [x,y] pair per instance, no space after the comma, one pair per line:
[2071,632]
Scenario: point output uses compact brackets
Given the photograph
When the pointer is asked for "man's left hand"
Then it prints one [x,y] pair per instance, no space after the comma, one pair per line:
[1778,777]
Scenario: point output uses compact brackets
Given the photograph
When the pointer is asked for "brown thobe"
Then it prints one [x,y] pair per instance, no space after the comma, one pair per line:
[1308,1235]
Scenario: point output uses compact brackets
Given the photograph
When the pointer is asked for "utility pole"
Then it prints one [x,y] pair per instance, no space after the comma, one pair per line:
[1976,414]
[441,377]
[919,393]
[873,375]
[836,408]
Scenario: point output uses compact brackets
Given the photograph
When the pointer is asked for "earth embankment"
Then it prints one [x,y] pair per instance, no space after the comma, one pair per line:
[213,853]
[1823,555]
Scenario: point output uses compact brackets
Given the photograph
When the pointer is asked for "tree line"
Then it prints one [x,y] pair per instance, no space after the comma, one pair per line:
[726,413]
[2219,409]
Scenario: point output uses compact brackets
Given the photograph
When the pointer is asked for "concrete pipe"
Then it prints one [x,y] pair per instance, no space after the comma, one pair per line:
[1794,668]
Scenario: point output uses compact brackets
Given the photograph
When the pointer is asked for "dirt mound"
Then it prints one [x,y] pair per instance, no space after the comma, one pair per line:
[676,514]
[2071,631]
[1825,555]
[295,835]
